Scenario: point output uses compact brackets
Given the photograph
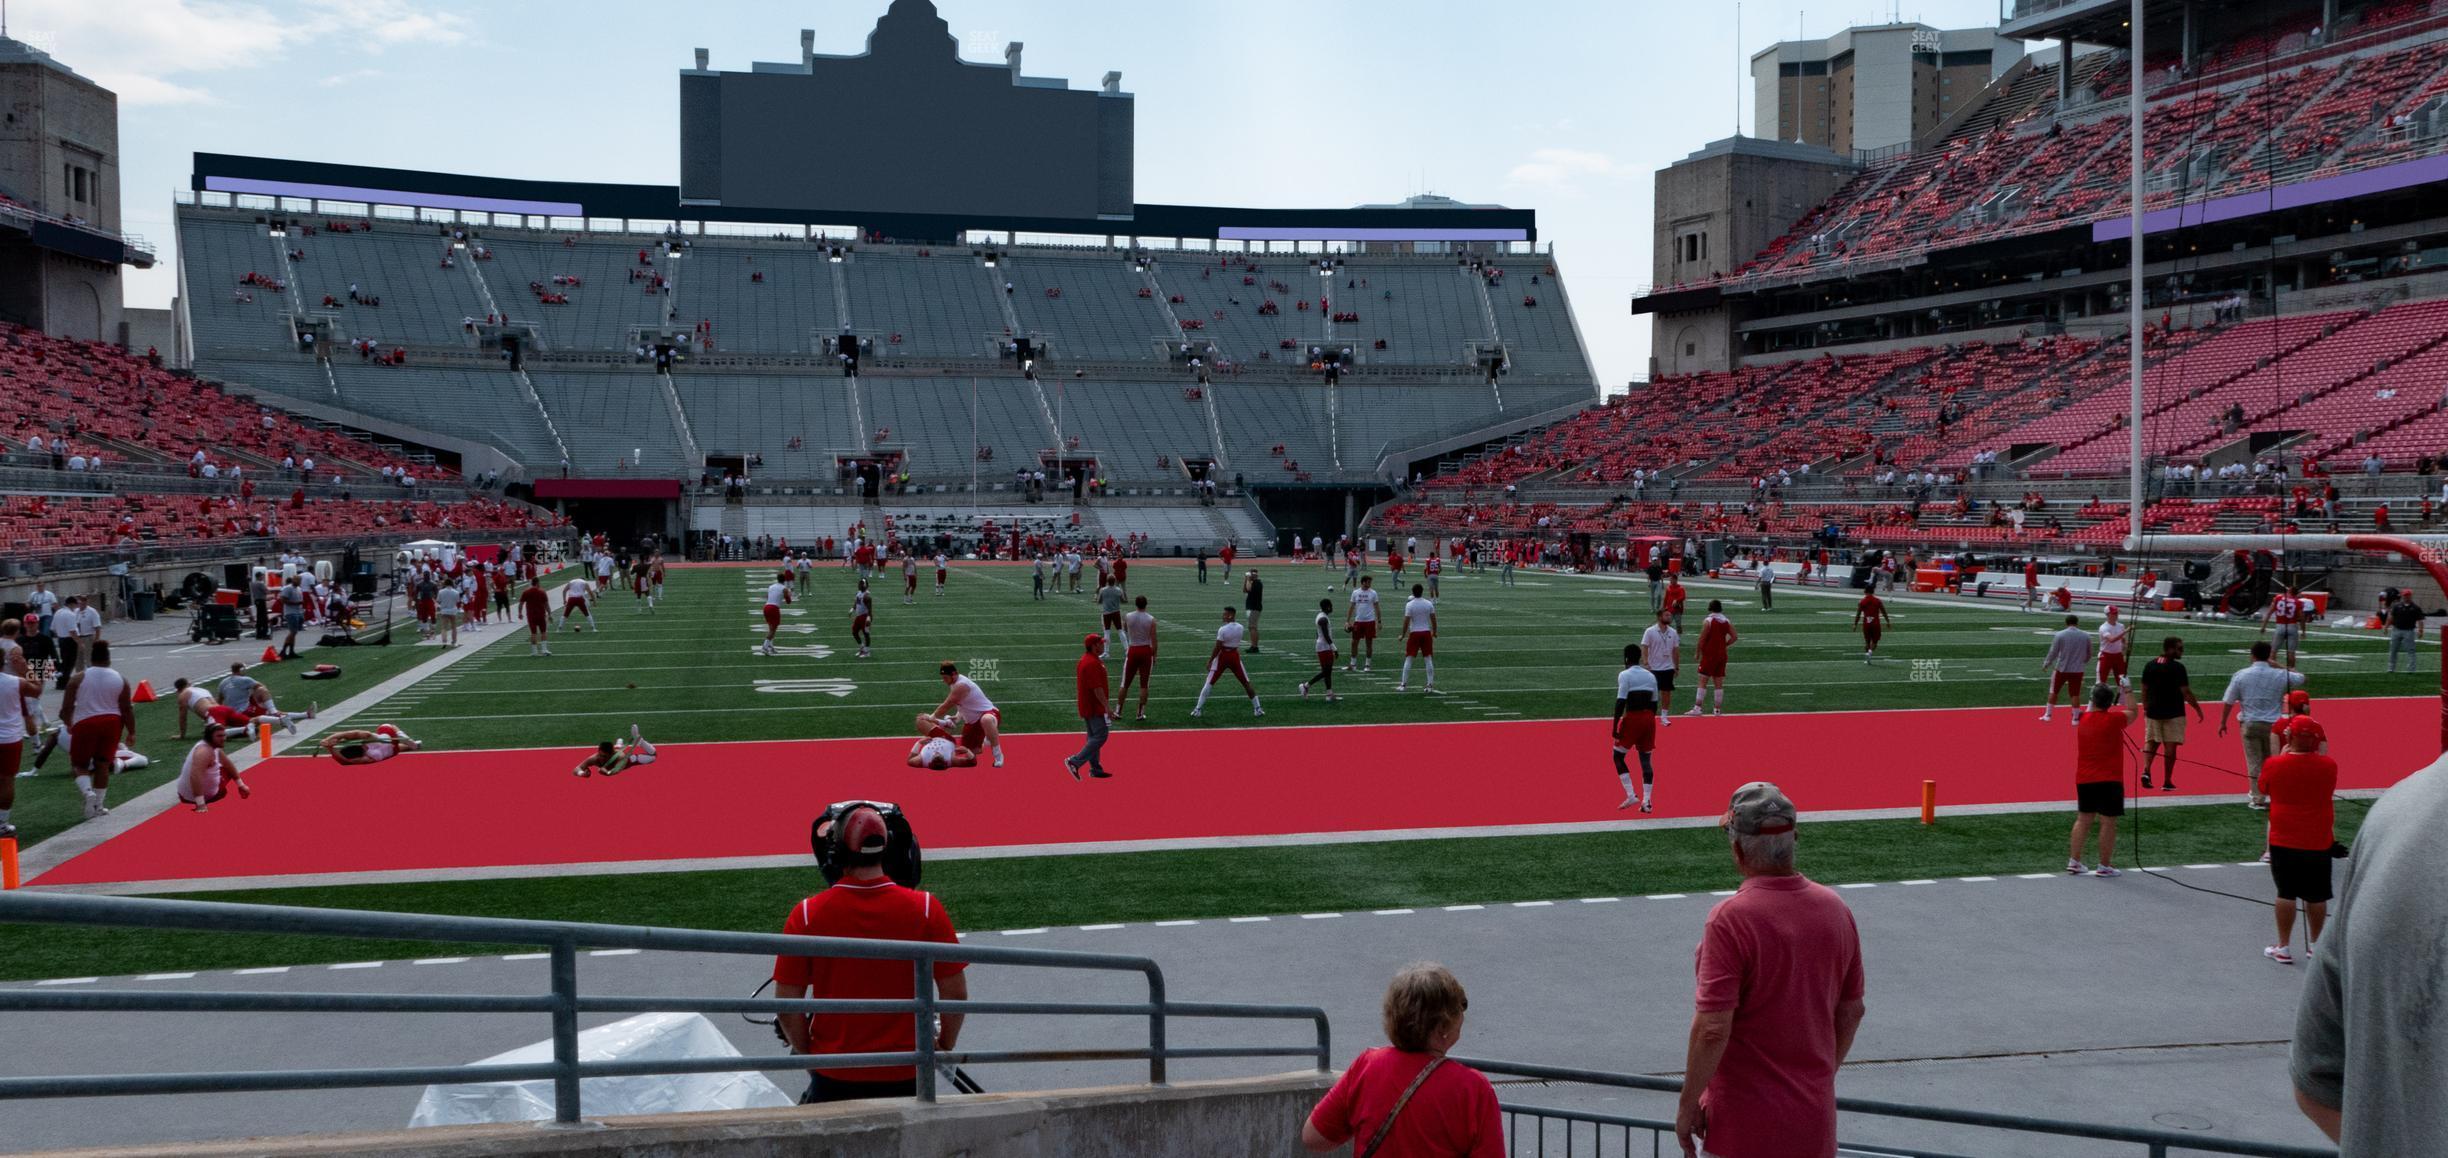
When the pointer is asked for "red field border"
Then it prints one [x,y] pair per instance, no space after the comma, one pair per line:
[486,809]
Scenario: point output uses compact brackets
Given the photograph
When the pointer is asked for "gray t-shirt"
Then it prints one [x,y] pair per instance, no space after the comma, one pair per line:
[2375,1003]
[2262,689]
[1109,600]
[235,690]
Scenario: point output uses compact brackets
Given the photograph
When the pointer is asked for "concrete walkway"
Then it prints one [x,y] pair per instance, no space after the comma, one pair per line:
[2131,1001]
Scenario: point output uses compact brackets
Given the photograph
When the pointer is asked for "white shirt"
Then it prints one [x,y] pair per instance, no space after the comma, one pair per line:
[1419,616]
[1364,605]
[603,566]
[936,753]
[1139,629]
[1659,647]
[777,594]
[200,776]
[971,701]
[1636,680]
[576,589]
[187,701]
[98,695]
[1229,636]
[12,708]
[63,623]
[2112,639]
[1325,632]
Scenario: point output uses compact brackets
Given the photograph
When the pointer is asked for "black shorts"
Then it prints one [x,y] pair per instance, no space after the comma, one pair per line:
[2301,874]
[1665,680]
[2100,798]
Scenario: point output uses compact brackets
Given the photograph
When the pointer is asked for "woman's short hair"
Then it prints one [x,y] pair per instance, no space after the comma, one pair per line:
[1423,999]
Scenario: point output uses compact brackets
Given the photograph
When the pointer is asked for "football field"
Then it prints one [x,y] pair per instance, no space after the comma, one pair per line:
[1386,793]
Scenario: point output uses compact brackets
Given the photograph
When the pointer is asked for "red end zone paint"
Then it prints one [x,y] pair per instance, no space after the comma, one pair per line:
[476,809]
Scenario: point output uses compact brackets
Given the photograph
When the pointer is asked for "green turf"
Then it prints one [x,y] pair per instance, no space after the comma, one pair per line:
[48,803]
[1548,647]
[1041,891]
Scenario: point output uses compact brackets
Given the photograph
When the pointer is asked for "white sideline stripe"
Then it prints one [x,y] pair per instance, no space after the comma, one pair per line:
[1395,912]
[525,956]
[1309,917]
[1664,896]
[69,981]
[1022,932]
[1248,920]
[165,977]
[2248,864]
[1922,881]
[1532,904]
[2033,876]
[1462,908]
[264,971]
[1174,924]
[1600,900]
[613,952]
[1976,880]
[358,965]
[1097,928]
[442,960]
[1722,893]
[1859,886]
[2203,866]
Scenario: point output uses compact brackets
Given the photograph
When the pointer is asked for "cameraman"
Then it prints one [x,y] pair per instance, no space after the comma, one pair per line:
[865,903]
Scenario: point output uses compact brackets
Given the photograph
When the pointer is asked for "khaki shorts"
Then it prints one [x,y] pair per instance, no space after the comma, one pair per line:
[2164,731]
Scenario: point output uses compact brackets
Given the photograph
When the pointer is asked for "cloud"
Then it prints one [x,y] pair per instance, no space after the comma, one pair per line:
[155,52]
[352,76]
[1563,169]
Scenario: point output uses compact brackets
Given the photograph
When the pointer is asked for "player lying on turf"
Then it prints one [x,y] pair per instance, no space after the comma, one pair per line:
[612,757]
[935,748]
[362,747]
[208,774]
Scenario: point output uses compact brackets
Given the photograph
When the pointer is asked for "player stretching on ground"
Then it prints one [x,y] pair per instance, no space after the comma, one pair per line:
[612,757]
[935,749]
[2112,635]
[191,700]
[1325,651]
[2286,614]
[909,577]
[1360,622]
[1717,634]
[777,594]
[362,747]
[1870,615]
[1226,658]
[537,606]
[1139,658]
[574,595]
[2069,656]
[981,721]
[1635,725]
[208,774]
[862,619]
[1419,638]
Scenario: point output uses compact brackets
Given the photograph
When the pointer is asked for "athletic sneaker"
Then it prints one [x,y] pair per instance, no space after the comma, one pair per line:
[548,651]
[1695,711]
[1304,691]
[1644,806]
[2146,780]
[1402,687]
[2279,954]
[1070,767]
[581,771]
[1195,713]
[998,760]
[1628,801]
[2075,868]
[1256,711]
[2044,717]
[2106,870]
[1099,774]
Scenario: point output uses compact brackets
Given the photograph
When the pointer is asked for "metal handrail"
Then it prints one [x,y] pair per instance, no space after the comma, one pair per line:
[563,939]
[2158,1142]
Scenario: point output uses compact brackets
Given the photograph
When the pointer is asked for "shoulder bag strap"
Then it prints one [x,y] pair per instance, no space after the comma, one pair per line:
[1383,1128]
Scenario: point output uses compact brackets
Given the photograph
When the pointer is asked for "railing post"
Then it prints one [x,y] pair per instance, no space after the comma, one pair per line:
[1325,1045]
[1156,1028]
[565,1031]
[924,992]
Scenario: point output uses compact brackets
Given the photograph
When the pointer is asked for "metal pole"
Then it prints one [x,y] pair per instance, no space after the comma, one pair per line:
[565,1031]
[2133,291]
[924,991]
[1156,1029]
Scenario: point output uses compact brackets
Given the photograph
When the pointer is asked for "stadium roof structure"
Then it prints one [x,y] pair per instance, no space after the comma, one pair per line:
[422,189]
[2104,21]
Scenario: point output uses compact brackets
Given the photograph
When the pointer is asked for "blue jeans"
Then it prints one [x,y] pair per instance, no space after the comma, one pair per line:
[1087,757]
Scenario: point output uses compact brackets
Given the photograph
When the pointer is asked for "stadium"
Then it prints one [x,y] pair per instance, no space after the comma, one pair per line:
[498,657]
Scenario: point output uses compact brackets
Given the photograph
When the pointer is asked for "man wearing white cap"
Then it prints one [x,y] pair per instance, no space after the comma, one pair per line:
[1779,997]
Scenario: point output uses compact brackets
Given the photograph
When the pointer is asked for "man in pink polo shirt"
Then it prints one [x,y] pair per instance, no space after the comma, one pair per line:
[1779,996]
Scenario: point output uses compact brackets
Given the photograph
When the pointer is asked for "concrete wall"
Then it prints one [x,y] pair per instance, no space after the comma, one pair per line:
[1742,194]
[1242,1116]
[155,329]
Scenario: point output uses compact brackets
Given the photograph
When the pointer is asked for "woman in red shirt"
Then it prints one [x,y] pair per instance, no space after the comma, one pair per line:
[1405,1100]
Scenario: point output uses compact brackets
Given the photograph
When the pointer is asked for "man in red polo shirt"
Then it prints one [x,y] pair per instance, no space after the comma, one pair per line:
[537,607]
[865,903]
[2301,785]
[1095,708]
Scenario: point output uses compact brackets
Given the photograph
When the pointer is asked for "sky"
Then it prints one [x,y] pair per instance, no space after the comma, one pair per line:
[1566,107]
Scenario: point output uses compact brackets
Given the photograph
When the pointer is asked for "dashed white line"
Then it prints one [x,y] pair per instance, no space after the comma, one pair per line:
[1858,886]
[1248,920]
[1533,904]
[1394,912]
[1975,880]
[2248,864]
[1022,932]
[443,960]
[165,977]
[1722,893]
[1664,897]
[265,971]
[358,965]
[2203,866]
[1600,900]
[2033,876]
[1463,908]
[614,952]
[1174,924]
[69,981]
[1319,916]
[1922,881]
[1097,928]
[525,956]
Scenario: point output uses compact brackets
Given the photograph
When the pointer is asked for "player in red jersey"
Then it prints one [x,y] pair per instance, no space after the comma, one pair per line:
[1226,657]
[537,607]
[1226,554]
[1674,598]
[863,557]
[2286,613]
[1717,635]
[2031,583]
[1870,615]
[1433,568]
[2062,598]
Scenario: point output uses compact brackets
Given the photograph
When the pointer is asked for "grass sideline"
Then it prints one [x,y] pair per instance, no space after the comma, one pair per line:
[1029,892]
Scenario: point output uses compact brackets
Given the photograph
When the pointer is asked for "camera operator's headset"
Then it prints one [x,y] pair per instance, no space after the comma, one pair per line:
[902,864]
